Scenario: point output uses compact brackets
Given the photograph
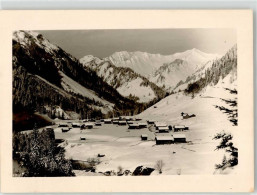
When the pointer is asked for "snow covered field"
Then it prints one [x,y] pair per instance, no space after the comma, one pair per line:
[123,147]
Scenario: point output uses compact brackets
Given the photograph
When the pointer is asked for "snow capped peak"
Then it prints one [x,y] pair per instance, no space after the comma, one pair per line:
[27,38]
[86,59]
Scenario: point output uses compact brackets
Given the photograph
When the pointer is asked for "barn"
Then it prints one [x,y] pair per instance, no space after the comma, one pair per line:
[98,123]
[186,128]
[129,122]
[151,122]
[133,126]
[89,125]
[142,125]
[160,124]
[63,125]
[65,129]
[164,139]
[122,123]
[107,121]
[144,137]
[115,122]
[163,129]
[75,125]
[179,128]
[179,137]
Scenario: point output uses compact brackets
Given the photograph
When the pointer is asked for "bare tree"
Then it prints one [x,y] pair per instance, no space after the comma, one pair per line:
[159,165]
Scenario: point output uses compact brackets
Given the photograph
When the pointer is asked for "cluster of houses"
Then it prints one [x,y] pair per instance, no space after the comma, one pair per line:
[162,130]
[162,133]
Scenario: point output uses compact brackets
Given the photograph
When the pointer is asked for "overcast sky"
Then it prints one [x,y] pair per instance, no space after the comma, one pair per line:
[103,43]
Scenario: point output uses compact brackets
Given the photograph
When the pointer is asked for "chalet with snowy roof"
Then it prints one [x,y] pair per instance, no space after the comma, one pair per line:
[116,122]
[65,129]
[159,124]
[163,129]
[107,121]
[144,137]
[122,123]
[142,125]
[151,122]
[179,128]
[98,123]
[63,125]
[133,126]
[76,125]
[164,139]
[179,137]
[89,125]
[129,122]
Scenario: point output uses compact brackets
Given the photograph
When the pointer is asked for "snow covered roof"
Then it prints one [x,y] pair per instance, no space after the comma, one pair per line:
[107,120]
[134,125]
[142,123]
[163,128]
[179,136]
[75,123]
[179,126]
[160,124]
[144,135]
[122,121]
[170,138]
[89,124]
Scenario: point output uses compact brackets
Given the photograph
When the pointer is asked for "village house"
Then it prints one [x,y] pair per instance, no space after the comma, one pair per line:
[133,126]
[63,125]
[164,139]
[142,125]
[151,122]
[98,123]
[107,121]
[122,123]
[179,137]
[89,125]
[76,125]
[115,122]
[179,128]
[65,129]
[144,137]
[160,124]
[163,129]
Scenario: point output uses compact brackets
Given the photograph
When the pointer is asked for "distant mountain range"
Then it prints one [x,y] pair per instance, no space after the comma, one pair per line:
[44,75]
[163,71]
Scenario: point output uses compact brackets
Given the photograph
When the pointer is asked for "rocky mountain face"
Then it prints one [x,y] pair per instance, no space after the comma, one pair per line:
[164,71]
[124,80]
[45,75]
[215,72]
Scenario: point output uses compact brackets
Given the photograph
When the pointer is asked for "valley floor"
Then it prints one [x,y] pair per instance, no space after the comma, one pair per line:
[123,147]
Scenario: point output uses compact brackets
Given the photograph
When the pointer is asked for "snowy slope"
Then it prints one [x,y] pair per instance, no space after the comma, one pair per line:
[124,80]
[70,85]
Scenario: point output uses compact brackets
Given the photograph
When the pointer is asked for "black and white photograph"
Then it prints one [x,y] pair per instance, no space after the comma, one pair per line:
[124,102]
[127,101]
